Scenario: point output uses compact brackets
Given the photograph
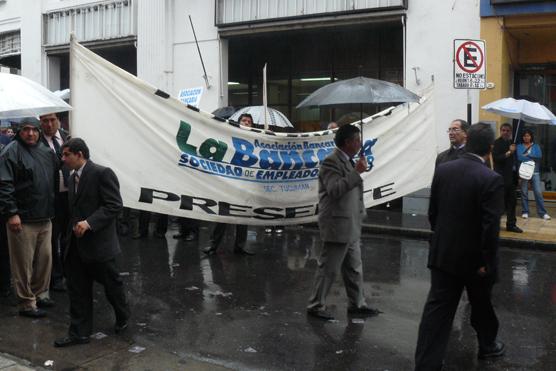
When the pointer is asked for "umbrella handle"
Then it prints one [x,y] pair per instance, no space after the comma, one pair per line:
[517,131]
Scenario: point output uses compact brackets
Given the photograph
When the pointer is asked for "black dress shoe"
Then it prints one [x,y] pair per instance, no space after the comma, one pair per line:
[514,229]
[242,251]
[68,341]
[46,303]
[497,349]
[58,286]
[159,235]
[320,313]
[191,236]
[364,311]
[120,327]
[137,236]
[210,250]
[32,313]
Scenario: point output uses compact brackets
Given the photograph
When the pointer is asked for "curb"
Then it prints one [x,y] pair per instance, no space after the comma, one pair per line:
[11,362]
[424,234]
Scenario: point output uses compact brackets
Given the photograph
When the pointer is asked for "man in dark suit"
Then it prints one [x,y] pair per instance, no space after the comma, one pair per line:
[457,133]
[94,204]
[54,137]
[341,212]
[467,199]
[503,155]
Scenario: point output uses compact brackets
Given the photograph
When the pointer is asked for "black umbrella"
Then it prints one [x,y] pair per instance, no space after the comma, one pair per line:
[224,112]
[359,90]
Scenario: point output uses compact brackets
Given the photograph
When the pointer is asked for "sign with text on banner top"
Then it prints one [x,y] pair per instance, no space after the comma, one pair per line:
[469,64]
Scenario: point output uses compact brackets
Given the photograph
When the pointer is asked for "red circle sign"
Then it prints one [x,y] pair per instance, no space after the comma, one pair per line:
[463,48]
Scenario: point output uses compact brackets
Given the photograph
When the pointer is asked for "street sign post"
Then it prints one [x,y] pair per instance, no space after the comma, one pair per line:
[469,67]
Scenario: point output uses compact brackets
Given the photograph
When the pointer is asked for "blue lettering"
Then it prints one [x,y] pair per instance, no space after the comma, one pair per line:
[244,153]
[289,158]
[368,146]
[183,158]
[269,159]
[308,158]
[323,153]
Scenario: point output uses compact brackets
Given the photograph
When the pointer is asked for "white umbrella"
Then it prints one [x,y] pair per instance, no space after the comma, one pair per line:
[273,116]
[522,110]
[21,97]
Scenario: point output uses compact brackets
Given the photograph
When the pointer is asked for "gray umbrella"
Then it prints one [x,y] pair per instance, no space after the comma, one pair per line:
[359,90]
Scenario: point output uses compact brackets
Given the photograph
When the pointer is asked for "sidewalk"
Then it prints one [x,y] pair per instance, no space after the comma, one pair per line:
[10,363]
[537,233]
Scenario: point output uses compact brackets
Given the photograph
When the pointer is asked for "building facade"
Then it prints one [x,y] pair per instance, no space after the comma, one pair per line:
[305,44]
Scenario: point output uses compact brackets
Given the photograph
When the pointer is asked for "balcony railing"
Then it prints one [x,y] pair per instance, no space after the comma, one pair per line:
[92,22]
[232,12]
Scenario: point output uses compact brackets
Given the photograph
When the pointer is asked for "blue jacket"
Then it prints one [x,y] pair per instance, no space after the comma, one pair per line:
[534,154]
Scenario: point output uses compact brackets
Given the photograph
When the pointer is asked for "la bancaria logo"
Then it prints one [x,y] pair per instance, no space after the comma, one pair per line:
[265,160]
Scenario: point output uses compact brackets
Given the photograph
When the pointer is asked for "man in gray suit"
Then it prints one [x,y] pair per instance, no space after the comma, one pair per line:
[341,211]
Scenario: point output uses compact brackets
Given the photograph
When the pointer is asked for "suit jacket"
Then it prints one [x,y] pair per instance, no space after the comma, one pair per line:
[63,168]
[467,200]
[341,208]
[99,202]
[503,165]
[450,154]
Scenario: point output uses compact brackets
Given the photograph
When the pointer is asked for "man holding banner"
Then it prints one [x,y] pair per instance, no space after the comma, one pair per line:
[341,212]
[241,230]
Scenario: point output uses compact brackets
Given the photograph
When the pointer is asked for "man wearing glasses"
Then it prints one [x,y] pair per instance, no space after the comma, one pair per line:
[27,170]
[457,133]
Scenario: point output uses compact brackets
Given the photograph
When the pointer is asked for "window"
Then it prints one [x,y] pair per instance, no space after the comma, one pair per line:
[300,62]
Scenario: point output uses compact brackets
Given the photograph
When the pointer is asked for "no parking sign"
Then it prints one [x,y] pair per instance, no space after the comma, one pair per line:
[469,64]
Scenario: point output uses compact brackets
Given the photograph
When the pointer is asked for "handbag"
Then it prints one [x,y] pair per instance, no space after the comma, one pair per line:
[526,170]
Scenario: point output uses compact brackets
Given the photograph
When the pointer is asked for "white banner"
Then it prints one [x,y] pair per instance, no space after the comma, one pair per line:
[174,159]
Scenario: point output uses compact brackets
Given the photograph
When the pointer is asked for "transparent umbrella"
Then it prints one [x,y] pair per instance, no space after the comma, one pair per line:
[21,97]
[359,90]
[273,116]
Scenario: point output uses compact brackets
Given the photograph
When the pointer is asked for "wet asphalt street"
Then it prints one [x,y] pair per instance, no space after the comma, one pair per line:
[248,312]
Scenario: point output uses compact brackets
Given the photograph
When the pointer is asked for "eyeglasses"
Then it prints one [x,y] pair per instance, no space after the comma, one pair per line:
[453,130]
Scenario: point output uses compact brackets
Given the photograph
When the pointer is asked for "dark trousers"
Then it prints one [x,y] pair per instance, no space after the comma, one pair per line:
[438,315]
[220,230]
[144,219]
[59,229]
[188,225]
[510,201]
[80,277]
[4,258]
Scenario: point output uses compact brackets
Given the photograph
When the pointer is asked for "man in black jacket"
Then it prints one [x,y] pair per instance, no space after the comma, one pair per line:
[27,169]
[54,137]
[503,155]
[94,205]
[457,133]
[465,207]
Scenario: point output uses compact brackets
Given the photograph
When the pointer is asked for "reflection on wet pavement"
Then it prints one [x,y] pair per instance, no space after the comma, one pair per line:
[248,312]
